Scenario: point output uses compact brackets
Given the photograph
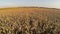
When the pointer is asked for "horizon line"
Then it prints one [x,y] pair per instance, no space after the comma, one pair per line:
[28,7]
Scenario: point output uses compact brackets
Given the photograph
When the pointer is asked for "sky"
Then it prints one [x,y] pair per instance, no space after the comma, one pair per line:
[27,3]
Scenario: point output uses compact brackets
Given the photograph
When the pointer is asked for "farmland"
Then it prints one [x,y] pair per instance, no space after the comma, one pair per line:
[29,20]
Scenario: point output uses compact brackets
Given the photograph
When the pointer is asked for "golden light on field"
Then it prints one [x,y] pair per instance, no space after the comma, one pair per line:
[29,20]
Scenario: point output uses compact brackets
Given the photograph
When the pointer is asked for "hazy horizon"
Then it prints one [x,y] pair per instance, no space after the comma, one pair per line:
[28,3]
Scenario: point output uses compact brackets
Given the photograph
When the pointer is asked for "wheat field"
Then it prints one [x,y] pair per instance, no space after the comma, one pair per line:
[29,20]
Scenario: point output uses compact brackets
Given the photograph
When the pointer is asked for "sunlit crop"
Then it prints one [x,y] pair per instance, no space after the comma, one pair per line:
[29,21]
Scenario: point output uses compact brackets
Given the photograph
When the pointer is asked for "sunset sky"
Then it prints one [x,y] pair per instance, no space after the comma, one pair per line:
[23,3]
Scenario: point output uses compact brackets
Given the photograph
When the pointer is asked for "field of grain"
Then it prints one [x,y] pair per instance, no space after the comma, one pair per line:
[29,21]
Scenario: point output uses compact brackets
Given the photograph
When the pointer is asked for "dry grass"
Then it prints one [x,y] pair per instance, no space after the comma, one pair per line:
[29,21]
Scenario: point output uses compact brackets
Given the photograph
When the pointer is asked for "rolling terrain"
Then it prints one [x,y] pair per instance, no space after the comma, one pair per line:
[29,20]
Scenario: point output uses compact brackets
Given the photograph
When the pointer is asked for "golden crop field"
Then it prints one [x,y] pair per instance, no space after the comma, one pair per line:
[29,20]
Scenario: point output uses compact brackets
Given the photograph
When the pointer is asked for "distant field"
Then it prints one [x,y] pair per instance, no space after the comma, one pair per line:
[29,20]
